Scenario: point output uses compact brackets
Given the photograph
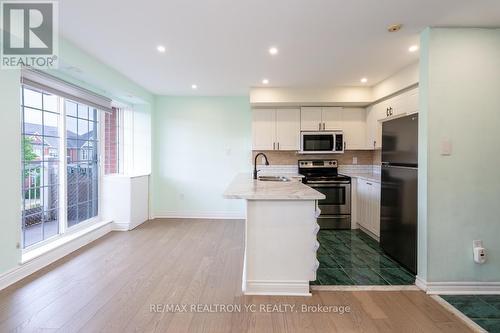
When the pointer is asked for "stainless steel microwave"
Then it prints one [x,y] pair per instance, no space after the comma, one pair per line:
[322,142]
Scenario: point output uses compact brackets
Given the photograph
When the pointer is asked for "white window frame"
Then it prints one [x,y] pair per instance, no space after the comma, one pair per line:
[64,230]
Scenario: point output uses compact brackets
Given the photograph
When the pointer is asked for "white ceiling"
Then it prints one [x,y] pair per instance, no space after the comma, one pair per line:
[222,45]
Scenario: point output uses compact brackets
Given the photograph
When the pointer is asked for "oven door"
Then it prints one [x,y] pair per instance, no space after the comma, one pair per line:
[317,142]
[338,198]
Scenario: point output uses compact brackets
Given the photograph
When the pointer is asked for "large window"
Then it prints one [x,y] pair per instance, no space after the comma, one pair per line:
[57,193]
[82,161]
[40,158]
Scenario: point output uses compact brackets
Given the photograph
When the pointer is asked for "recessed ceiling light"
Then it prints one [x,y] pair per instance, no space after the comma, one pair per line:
[161,48]
[364,80]
[273,50]
[413,48]
[265,81]
[394,27]
[194,86]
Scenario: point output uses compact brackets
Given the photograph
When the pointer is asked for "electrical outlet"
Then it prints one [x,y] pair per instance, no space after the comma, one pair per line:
[477,243]
[446,147]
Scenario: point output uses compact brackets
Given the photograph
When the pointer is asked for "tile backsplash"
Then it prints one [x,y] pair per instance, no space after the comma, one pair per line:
[364,157]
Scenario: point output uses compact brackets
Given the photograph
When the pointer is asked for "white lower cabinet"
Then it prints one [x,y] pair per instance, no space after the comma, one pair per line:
[368,205]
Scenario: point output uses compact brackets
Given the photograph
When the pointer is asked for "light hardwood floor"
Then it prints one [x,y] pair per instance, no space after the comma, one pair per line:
[110,285]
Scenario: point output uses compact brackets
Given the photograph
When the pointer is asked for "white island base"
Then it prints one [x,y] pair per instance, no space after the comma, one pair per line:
[280,235]
[280,247]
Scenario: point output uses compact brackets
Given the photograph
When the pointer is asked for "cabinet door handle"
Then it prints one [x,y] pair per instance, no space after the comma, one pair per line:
[319,126]
[274,145]
[345,145]
[369,183]
[387,112]
[278,146]
[391,111]
[324,126]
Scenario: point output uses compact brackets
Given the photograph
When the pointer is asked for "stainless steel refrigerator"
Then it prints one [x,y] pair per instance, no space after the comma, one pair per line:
[398,211]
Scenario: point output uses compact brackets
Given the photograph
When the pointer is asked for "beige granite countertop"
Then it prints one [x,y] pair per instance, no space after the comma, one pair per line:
[245,187]
[371,176]
[284,174]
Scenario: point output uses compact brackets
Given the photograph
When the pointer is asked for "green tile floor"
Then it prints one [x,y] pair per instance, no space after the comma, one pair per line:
[482,309]
[351,257]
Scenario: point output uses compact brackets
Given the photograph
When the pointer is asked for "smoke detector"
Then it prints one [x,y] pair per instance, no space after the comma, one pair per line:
[394,27]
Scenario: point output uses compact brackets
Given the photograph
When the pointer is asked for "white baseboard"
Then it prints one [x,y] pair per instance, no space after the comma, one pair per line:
[368,232]
[277,288]
[29,267]
[364,288]
[458,288]
[125,226]
[121,226]
[200,215]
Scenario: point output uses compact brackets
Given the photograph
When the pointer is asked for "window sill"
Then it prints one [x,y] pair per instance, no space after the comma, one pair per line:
[121,175]
[60,241]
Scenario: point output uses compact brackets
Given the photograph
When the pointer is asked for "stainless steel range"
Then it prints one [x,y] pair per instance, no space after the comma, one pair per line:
[323,176]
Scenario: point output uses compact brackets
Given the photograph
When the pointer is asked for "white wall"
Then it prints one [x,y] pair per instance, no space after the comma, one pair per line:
[199,145]
[460,199]
[343,96]
[404,78]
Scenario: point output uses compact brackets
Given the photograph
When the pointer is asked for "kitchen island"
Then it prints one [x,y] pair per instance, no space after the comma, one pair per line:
[280,235]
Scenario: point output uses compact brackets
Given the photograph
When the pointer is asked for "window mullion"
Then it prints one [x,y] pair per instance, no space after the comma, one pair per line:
[63,188]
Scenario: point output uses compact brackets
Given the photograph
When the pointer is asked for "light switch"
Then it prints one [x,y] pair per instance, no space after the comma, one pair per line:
[446,147]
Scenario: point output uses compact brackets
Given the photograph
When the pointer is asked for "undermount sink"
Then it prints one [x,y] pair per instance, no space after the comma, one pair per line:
[273,179]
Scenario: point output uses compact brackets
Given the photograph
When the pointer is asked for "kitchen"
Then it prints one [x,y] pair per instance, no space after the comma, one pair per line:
[337,151]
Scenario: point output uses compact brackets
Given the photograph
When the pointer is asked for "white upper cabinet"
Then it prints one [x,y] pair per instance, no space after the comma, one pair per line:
[311,118]
[373,126]
[354,126]
[412,106]
[263,129]
[397,106]
[276,129]
[314,118]
[332,118]
[288,129]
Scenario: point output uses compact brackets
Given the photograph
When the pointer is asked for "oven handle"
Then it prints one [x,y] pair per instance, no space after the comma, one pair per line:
[329,185]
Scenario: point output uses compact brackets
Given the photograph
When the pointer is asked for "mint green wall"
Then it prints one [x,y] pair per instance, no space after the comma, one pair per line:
[92,75]
[423,147]
[199,145]
[10,169]
[461,103]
